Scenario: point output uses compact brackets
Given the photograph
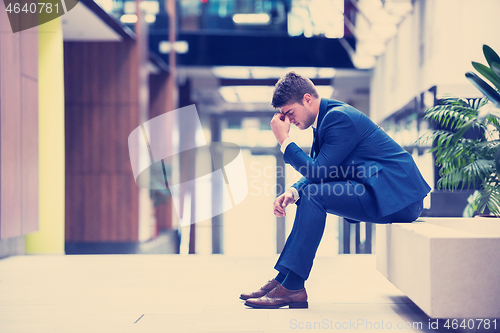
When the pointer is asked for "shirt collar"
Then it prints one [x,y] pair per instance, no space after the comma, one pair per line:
[315,124]
[321,113]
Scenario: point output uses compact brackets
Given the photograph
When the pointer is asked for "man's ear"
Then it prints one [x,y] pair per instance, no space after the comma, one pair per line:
[307,98]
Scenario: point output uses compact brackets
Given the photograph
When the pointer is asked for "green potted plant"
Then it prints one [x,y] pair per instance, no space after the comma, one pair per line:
[466,142]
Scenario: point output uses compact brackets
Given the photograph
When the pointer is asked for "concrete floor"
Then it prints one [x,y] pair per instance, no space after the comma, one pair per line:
[174,293]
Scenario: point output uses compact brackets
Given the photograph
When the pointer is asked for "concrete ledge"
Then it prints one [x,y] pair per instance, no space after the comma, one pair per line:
[447,266]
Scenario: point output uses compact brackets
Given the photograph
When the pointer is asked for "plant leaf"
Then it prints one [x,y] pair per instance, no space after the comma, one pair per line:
[484,87]
[490,55]
[496,68]
[497,160]
[489,196]
[488,73]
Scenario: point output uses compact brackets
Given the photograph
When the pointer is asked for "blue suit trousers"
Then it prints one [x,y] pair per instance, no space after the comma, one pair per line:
[342,198]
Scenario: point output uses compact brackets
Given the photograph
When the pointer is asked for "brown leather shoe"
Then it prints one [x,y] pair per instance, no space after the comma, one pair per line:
[279,297]
[270,285]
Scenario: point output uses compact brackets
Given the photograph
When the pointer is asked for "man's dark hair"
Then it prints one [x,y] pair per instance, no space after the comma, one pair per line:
[291,88]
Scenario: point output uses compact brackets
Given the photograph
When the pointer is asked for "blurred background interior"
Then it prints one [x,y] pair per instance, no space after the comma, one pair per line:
[89,78]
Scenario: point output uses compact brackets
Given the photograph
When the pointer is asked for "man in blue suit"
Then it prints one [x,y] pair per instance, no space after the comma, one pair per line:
[355,170]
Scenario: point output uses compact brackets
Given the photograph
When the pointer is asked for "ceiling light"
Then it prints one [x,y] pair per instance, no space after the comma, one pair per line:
[231,72]
[150,18]
[259,94]
[247,94]
[150,7]
[267,72]
[241,72]
[254,19]
[254,94]
[180,46]
[128,18]
[326,73]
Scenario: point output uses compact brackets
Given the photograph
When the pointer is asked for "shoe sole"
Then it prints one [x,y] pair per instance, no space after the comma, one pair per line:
[294,305]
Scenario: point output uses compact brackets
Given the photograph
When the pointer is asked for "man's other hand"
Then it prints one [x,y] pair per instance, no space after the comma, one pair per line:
[280,124]
[282,201]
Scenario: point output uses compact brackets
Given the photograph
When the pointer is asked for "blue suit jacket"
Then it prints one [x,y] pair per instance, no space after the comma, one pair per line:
[349,146]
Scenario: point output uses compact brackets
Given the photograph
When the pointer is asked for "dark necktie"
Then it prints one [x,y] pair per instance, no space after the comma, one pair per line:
[313,147]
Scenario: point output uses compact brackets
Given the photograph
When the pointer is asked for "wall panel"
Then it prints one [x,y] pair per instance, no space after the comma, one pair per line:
[101,111]
[18,130]
[29,155]
[29,184]
[10,143]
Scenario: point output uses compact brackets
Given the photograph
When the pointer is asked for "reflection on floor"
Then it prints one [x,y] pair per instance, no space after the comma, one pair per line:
[175,293]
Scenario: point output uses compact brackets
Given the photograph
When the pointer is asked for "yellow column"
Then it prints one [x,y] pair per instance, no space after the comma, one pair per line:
[50,235]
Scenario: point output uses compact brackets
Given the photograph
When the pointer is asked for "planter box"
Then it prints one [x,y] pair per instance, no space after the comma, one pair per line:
[449,267]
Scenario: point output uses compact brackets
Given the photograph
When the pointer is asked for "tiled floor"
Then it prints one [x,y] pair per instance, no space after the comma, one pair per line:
[172,293]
